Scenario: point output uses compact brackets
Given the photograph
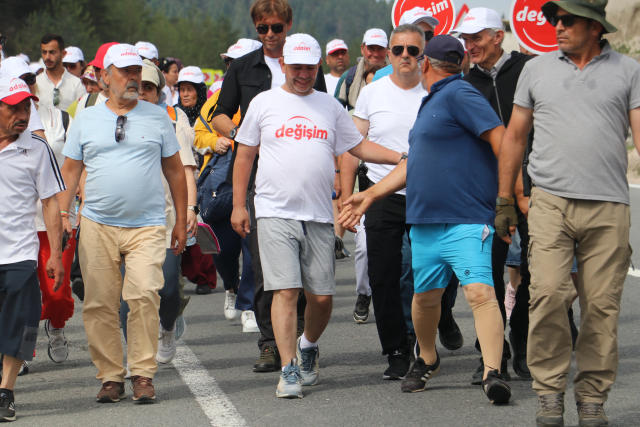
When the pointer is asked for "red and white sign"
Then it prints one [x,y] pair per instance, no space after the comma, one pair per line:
[443,10]
[531,27]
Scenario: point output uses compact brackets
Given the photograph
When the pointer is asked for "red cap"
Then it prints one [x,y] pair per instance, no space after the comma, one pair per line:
[13,91]
[98,61]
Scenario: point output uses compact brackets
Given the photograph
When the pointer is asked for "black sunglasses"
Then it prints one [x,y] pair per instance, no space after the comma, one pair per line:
[411,50]
[567,20]
[29,79]
[264,29]
[120,128]
[428,35]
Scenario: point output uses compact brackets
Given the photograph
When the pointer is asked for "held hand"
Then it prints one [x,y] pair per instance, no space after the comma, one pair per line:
[222,145]
[179,238]
[240,221]
[337,187]
[353,209]
[523,204]
[55,271]
[506,221]
[192,223]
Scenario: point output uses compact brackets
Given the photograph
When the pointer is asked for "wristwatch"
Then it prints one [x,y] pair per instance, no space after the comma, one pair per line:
[505,201]
[404,157]
[234,132]
[194,209]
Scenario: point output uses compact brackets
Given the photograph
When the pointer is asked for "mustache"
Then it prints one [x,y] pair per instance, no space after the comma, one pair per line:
[21,123]
[132,84]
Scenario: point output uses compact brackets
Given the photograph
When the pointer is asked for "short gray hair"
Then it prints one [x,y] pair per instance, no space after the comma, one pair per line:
[493,31]
[445,66]
[407,28]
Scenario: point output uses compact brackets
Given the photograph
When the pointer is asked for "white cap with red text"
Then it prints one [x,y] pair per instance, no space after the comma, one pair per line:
[191,74]
[14,90]
[147,50]
[478,19]
[335,45]
[15,67]
[376,37]
[72,55]
[418,14]
[24,57]
[241,48]
[302,49]
[122,55]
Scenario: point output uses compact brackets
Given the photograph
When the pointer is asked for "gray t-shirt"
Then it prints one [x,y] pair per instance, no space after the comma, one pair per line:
[581,121]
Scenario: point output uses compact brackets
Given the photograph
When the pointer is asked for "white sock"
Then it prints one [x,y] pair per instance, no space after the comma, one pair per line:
[305,343]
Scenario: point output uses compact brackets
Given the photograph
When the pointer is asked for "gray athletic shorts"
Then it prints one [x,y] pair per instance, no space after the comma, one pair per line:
[297,254]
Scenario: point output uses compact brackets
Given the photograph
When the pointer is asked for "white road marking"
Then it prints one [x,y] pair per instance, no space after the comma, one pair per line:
[634,186]
[213,401]
[632,272]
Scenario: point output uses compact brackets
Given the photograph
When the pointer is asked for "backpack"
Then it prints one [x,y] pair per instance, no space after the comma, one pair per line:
[351,75]
[65,123]
[173,115]
[215,195]
[91,100]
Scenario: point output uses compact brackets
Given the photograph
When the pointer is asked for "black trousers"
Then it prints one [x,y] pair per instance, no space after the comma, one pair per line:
[519,321]
[385,224]
[262,299]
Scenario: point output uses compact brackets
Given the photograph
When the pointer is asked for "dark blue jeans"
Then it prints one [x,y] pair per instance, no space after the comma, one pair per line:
[406,283]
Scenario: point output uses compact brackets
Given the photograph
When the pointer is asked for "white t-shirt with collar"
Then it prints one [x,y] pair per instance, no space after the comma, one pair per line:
[28,172]
[331,82]
[277,76]
[298,137]
[70,87]
[391,112]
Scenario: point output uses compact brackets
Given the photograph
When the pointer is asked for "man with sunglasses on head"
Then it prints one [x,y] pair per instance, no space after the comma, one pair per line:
[417,16]
[581,101]
[247,77]
[57,87]
[386,111]
[125,146]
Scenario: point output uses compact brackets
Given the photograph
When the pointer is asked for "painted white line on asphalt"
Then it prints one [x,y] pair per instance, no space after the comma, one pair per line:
[634,186]
[635,273]
[213,401]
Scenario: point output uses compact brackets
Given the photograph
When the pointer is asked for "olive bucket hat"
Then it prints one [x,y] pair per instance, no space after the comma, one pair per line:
[592,9]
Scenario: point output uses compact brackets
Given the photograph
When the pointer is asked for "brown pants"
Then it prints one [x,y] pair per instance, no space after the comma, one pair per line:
[101,250]
[601,232]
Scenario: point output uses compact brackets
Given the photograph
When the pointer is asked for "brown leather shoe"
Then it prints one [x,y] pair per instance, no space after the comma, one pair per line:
[143,390]
[111,392]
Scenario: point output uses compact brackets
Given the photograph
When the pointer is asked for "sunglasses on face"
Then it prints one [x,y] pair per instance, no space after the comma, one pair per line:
[428,35]
[264,29]
[411,50]
[56,96]
[120,128]
[567,20]
[29,79]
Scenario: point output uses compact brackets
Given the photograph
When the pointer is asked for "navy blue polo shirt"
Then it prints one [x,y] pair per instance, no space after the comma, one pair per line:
[452,174]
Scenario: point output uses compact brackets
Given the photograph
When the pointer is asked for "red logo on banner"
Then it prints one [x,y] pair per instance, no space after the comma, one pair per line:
[531,27]
[443,10]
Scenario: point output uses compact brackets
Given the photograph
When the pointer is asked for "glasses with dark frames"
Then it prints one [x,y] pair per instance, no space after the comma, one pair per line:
[56,96]
[428,35]
[120,128]
[264,29]
[30,79]
[411,50]
[567,20]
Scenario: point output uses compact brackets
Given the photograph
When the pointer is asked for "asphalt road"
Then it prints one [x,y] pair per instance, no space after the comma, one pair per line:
[351,391]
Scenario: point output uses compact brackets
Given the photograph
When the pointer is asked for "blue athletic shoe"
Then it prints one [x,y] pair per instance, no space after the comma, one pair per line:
[309,360]
[290,384]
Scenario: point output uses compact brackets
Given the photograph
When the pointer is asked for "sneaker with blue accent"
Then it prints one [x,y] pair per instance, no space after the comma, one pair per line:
[309,360]
[290,385]
[181,327]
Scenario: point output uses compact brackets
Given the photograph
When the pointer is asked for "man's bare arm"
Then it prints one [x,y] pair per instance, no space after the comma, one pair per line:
[71,172]
[634,120]
[223,125]
[245,156]
[173,171]
[373,153]
[512,148]
[53,223]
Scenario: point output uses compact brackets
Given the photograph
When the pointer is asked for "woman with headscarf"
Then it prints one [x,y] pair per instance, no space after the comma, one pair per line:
[193,92]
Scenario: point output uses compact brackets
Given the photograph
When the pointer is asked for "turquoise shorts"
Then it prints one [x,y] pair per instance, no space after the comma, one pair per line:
[439,250]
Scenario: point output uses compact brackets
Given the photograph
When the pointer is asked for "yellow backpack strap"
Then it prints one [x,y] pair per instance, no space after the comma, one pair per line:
[172,113]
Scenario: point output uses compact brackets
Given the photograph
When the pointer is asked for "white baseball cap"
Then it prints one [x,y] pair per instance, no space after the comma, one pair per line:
[336,44]
[73,54]
[122,55]
[147,50]
[302,49]
[478,19]
[35,67]
[375,36]
[24,57]
[191,74]
[14,66]
[241,48]
[13,90]
[418,14]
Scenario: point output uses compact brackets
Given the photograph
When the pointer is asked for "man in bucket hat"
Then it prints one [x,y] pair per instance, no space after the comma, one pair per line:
[581,100]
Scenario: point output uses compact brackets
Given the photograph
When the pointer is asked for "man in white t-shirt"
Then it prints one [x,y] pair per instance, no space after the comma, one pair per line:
[56,86]
[338,61]
[299,131]
[386,111]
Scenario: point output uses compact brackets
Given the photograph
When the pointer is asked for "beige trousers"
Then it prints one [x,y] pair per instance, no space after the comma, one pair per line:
[601,232]
[101,250]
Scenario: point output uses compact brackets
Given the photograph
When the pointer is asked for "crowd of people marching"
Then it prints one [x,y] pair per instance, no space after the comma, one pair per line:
[121,176]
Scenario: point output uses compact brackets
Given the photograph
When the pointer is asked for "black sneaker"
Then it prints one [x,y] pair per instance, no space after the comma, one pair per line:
[450,336]
[591,414]
[411,344]
[550,410]
[496,388]
[476,379]
[203,289]
[339,247]
[398,365]
[417,377]
[519,346]
[77,286]
[574,332]
[7,407]
[361,311]
[269,360]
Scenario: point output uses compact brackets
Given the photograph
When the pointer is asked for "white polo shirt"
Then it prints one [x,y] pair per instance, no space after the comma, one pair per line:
[71,89]
[28,172]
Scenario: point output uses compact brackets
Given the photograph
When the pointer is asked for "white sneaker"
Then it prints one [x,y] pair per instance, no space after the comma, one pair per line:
[58,347]
[230,311]
[248,320]
[166,345]
[127,376]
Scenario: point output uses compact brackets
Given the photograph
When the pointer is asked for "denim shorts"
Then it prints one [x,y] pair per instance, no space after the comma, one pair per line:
[439,250]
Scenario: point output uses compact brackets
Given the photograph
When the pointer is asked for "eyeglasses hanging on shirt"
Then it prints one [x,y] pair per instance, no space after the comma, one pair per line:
[120,128]
[56,96]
